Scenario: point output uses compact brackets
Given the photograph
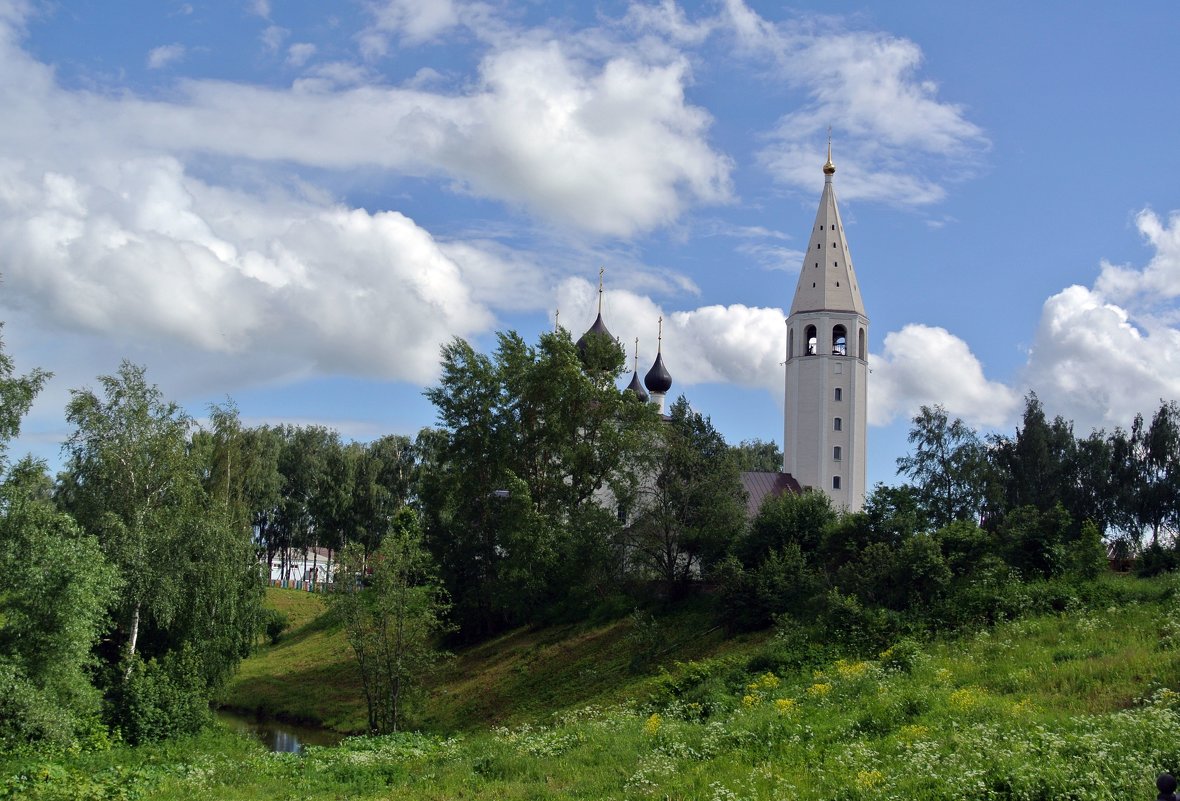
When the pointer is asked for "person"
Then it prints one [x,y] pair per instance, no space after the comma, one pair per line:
[1166,784]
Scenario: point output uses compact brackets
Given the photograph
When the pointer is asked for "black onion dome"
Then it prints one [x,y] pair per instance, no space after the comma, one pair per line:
[598,329]
[636,386]
[658,379]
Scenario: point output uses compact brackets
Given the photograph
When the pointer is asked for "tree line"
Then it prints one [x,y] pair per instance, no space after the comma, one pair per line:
[133,579]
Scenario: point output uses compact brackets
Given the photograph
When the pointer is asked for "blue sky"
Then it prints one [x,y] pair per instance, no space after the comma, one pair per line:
[294,204]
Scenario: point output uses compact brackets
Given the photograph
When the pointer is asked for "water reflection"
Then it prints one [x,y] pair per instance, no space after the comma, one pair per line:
[276,735]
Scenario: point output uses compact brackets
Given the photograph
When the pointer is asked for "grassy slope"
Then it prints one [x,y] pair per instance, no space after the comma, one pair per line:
[1046,707]
[522,676]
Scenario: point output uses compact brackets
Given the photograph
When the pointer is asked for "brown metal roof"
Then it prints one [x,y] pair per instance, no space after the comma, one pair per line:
[759,486]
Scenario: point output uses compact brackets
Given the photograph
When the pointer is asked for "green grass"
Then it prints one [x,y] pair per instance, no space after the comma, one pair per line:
[1081,704]
[525,675]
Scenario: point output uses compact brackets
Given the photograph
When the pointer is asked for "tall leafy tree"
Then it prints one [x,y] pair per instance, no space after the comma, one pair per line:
[948,466]
[757,455]
[393,609]
[1147,471]
[534,442]
[53,602]
[693,506]
[131,483]
[189,602]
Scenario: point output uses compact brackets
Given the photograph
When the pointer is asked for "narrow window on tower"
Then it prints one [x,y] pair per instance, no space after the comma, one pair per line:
[860,344]
[837,425]
[809,335]
[835,482]
[839,341]
[836,453]
[839,395]
[791,343]
[818,246]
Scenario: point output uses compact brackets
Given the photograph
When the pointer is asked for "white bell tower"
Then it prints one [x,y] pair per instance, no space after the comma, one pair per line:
[826,410]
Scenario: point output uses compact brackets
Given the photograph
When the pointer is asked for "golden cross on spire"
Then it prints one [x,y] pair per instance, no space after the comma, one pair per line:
[637,354]
[601,270]
[829,167]
[557,320]
[660,338]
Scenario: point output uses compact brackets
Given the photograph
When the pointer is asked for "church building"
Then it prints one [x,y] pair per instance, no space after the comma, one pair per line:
[826,401]
[826,407]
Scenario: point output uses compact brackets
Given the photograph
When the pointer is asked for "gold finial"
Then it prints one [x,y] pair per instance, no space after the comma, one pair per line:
[660,338]
[637,354]
[829,167]
[601,270]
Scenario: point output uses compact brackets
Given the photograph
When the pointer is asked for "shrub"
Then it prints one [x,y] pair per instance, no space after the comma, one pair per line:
[274,623]
[160,698]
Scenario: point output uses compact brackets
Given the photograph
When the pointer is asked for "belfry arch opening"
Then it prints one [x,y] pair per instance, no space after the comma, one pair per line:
[860,345]
[809,336]
[839,341]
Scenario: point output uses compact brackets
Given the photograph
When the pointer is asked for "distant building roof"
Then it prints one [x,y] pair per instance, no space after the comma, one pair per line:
[759,486]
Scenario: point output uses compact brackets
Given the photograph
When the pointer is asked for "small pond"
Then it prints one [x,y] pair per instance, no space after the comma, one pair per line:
[276,734]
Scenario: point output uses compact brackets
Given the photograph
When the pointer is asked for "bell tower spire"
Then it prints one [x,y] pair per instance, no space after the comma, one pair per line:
[826,408]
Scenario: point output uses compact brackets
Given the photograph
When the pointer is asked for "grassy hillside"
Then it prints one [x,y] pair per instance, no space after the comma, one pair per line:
[1080,704]
[522,676]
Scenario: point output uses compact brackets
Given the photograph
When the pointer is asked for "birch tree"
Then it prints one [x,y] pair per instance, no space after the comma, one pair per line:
[128,484]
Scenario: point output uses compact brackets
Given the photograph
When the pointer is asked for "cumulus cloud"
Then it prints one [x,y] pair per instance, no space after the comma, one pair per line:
[150,253]
[1106,353]
[922,364]
[1160,279]
[614,149]
[162,56]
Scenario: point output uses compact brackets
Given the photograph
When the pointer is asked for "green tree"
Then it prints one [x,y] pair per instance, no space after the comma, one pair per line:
[789,518]
[53,602]
[53,607]
[1147,475]
[694,506]
[533,448]
[948,466]
[189,603]
[392,607]
[756,455]
[130,483]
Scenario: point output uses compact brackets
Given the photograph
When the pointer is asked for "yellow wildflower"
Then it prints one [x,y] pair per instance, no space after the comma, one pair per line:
[819,690]
[966,699]
[866,779]
[652,726]
[851,670]
[749,700]
[784,706]
[912,732]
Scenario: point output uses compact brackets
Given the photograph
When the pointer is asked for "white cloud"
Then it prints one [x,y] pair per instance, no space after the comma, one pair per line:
[272,38]
[142,251]
[162,56]
[259,8]
[922,364]
[1160,279]
[412,20]
[896,140]
[299,53]
[612,148]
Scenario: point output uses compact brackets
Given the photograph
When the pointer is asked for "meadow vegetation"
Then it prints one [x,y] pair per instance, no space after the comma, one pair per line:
[1069,704]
